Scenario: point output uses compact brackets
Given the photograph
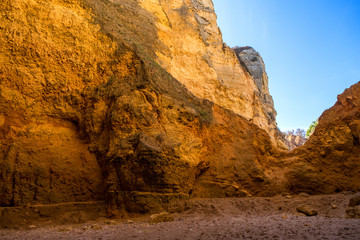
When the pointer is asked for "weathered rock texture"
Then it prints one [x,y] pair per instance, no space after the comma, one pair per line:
[330,160]
[294,141]
[194,53]
[86,113]
[51,56]
[88,110]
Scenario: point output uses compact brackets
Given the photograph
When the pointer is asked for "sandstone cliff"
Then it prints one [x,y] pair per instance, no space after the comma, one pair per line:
[194,53]
[330,160]
[118,101]
[86,112]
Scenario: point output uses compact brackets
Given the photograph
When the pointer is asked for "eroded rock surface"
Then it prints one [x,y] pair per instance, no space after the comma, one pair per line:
[86,112]
[194,53]
[330,160]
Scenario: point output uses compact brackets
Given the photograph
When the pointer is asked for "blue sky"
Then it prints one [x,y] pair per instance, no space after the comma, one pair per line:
[311,50]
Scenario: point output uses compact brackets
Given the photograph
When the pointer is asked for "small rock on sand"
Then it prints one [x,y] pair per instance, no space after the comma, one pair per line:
[307,210]
[304,195]
[65,229]
[96,227]
[161,217]
[111,222]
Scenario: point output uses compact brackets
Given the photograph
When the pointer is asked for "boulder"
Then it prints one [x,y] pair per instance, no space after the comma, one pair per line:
[161,217]
[307,210]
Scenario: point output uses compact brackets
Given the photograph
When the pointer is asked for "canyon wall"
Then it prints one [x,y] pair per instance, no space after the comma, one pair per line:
[330,160]
[194,53]
[87,113]
[140,104]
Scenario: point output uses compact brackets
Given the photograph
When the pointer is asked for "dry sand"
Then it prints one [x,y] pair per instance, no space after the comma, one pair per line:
[243,218]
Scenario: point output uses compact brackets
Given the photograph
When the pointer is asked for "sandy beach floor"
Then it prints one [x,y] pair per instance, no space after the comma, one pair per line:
[243,218]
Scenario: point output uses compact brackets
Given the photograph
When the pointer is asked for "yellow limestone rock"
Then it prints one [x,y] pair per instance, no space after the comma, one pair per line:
[196,55]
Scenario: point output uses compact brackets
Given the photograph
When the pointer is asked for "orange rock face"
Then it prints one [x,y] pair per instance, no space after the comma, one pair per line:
[51,55]
[194,53]
[330,160]
[86,113]
[108,100]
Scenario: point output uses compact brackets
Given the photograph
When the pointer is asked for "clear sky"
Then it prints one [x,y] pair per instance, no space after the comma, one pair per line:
[311,49]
